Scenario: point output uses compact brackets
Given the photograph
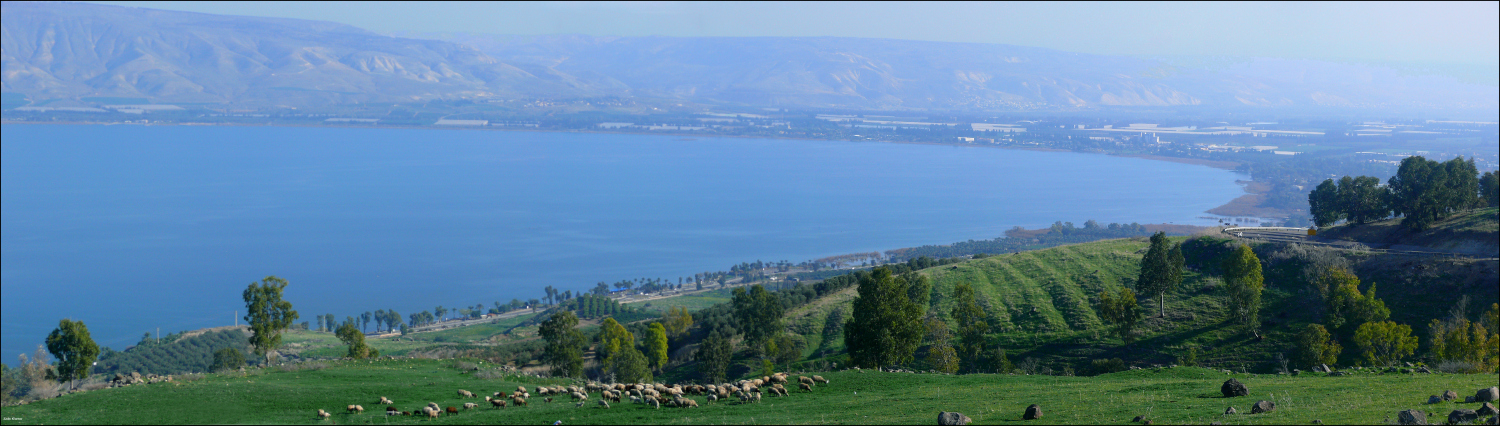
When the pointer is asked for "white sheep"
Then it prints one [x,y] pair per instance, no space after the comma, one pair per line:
[820,379]
[323,414]
[385,401]
[603,403]
[470,406]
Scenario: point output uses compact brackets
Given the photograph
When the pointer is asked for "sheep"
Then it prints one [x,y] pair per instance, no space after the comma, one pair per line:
[521,389]
[548,399]
[323,415]
[384,401]
[820,379]
[578,405]
[501,395]
[432,413]
[470,406]
[655,404]
[525,395]
[603,403]
[690,403]
[806,387]
[518,401]
[391,411]
[713,397]
[805,380]
[497,403]
[465,394]
[635,400]
[452,410]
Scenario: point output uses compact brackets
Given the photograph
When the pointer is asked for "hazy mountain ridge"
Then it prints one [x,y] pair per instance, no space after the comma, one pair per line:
[65,50]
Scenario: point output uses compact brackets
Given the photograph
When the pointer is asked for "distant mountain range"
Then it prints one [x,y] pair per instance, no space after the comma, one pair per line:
[69,50]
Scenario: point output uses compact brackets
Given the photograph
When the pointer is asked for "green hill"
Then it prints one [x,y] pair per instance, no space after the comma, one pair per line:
[291,395]
[1473,232]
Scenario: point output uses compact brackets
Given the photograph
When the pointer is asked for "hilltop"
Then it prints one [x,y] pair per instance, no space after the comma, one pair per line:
[1473,232]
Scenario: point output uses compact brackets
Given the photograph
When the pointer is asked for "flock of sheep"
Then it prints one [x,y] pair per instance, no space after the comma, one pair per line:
[654,395]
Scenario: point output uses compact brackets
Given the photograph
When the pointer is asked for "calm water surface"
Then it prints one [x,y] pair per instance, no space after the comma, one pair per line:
[129,228]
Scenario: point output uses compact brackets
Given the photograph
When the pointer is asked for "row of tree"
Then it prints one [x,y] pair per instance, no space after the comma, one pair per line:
[1422,192]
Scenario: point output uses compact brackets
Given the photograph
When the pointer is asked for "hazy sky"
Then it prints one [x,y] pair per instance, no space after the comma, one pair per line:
[1451,33]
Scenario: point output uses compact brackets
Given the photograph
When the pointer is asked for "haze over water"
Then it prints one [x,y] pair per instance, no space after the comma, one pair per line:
[129,228]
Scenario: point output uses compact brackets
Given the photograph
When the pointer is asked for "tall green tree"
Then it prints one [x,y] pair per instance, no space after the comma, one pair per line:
[656,345]
[940,353]
[267,315]
[1242,273]
[713,357]
[886,327]
[1347,308]
[1489,189]
[613,338]
[1323,204]
[629,365]
[1363,199]
[757,314]
[74,349]
[1161,270]
[365,319]
[677,321]
[973,326]
[564,350]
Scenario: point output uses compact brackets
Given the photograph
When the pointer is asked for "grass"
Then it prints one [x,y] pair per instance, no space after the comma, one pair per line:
[693,302]
[1473,232]
[1166,396]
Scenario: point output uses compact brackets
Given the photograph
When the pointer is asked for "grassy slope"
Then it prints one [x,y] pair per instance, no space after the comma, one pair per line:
[1181,395]
[1472,233]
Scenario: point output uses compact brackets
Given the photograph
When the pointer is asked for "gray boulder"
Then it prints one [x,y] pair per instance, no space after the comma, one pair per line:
[1230,410]
[1233,388]
[1325,368]
[1411,417]
[1033,412]
[947,419]
[1450,395]
[1487,409]
[1262,407]
[1462,416]
[1487,395]
[1434,399]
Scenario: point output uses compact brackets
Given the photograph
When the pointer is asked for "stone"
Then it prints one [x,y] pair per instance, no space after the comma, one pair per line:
[1317,422]
[1137,419]
[1487,409]
[1462,416]
[1434,399]
[1487,395]
[1230,410]
[1336,374]
[1233,388]
[1262,407]
[1033,412]
[1450,395]
[1295,372]
[1325,368]
[1411,417]
[947,418]
[1424,370]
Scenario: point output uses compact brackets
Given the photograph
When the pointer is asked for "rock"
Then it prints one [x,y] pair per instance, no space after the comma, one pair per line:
[1450,395]
[1487,409]
[1230,410]
[1434,399]
[947,418]
[1462,416]
[1336,374]
[1325,368]
[1317,422]
[1424,370]
[1469,399]
[1137,419]
[1487,395]
[1262,407]
[1033,412]
[1411,417]
[1295,372]
[1233,388]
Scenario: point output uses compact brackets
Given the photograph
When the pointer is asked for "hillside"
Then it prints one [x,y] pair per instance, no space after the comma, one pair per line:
[1473,233]
[291,395]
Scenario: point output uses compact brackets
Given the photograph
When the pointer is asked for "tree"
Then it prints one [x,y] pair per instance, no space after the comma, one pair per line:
[365,319]
[1316,347]
[713,357]
[1323,204]
[630,366]
[441,312]
[1347,307]
[74,349]
[677,321]
[940,353]
[227,359]
[886,327]
[1362,199]
[350,334]
[1489,189]
[1161,271]
[564,350]
[1121,311]
[919,288]
[379,316]
[656,345]
[1243,275]
[757,314]
[972,325]
[1385,342]
[788,348]
[267,314]
[613,338]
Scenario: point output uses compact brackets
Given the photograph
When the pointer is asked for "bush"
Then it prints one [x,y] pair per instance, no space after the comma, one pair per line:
[1106,366]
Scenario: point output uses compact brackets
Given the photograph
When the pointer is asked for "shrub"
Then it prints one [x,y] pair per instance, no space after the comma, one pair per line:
[1106,366]
[1385,342]
[1315,346]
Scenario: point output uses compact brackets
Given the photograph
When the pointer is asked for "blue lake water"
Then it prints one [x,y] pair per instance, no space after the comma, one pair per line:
[129,228]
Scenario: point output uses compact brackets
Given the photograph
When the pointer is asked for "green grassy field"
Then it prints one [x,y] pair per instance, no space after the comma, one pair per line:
[692,302]
[1166,396]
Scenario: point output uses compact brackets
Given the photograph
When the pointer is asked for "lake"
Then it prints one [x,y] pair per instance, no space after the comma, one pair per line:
[130,228]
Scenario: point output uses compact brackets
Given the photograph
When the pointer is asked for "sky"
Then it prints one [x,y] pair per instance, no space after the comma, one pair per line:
[1464,34]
